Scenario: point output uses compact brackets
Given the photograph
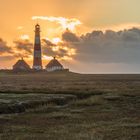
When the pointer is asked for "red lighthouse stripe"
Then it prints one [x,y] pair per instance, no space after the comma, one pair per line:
[37,62]
[37,47]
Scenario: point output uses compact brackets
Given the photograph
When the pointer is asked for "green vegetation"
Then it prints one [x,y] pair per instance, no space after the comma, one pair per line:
[67,106]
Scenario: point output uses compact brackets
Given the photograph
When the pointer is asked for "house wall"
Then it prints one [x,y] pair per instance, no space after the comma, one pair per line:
[55,68]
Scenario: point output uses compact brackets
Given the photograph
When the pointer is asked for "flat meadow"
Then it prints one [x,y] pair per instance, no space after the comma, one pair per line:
[69,106]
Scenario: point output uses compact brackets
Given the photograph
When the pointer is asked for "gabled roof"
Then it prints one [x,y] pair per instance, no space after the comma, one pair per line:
[54,62]
[21,64]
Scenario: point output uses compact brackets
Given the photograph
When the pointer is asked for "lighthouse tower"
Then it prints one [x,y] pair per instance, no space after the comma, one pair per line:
[37,61]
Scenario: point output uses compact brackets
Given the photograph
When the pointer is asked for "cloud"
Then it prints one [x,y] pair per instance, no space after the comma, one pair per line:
[60,49]
[112,47]
[48,42]
[6,58]
[24,45]
[4,48]
[25,37]
[68,36]
[64,22]
[20,48]
[106,47]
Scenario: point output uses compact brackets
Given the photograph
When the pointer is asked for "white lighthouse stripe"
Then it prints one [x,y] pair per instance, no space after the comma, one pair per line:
[37,54]
[37,62]
[37,40]
[37,67]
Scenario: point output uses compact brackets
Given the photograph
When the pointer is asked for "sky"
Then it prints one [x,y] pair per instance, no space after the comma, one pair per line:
[86,36]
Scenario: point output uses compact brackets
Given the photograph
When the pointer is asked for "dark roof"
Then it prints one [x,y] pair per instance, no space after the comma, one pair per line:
[21,64]
[54,62]
[37,24]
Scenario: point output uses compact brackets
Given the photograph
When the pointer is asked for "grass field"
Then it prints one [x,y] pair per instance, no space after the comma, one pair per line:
[68,106]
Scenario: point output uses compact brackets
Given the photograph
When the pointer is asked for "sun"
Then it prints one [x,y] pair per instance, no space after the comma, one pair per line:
[56,40]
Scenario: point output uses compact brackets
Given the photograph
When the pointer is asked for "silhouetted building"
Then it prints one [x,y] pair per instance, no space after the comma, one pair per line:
[37,62]
[21,65]
[54,65]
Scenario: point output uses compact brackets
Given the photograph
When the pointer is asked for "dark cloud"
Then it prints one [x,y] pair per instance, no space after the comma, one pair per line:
[4,48]
[48,43]
[70,37]
[94,47]
[48,49]
[107,47]
[25,45]
[21,55]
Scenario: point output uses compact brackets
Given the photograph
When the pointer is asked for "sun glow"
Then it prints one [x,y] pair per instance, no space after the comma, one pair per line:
[66,58]
[56,40]
[47,57]
[64,22]
[62,49]
[71,52]
[24,37]
[55,48]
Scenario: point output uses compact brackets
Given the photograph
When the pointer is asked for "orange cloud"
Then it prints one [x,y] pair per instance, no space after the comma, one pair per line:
[64,22]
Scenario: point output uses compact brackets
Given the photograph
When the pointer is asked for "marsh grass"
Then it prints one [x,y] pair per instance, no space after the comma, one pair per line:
[91,101]
[102,107]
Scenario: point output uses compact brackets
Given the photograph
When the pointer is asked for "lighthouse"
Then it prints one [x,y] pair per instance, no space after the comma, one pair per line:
[37,60]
